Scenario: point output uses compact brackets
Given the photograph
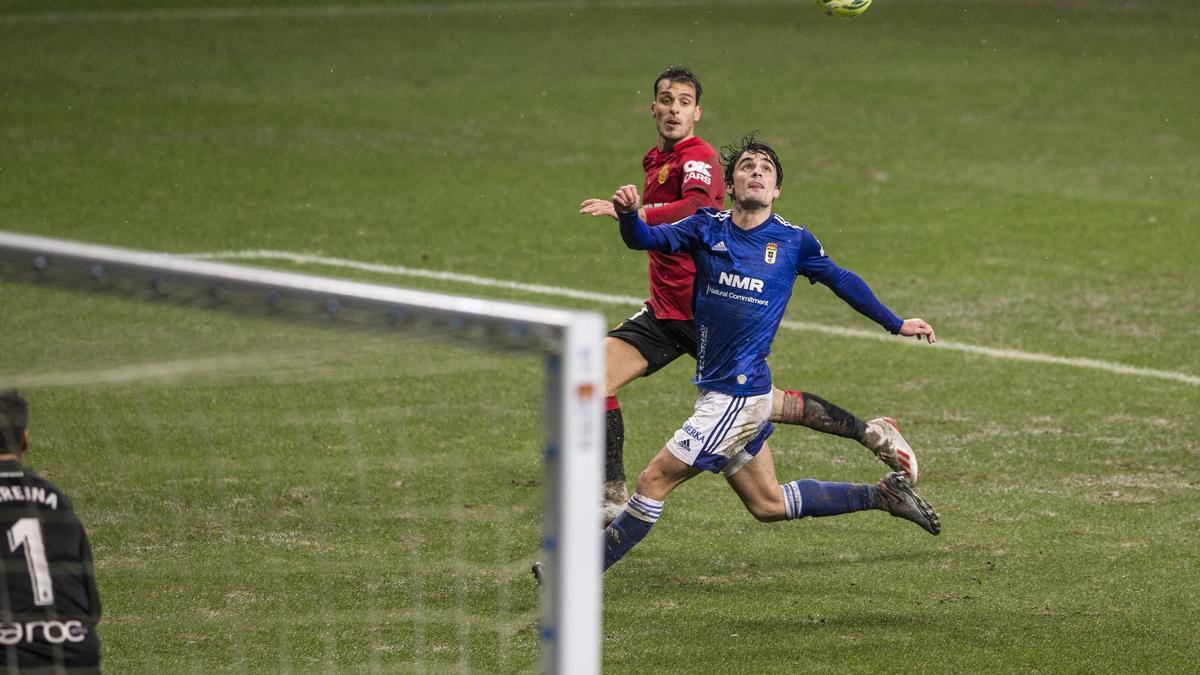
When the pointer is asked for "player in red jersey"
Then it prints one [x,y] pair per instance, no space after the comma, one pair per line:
[680,178]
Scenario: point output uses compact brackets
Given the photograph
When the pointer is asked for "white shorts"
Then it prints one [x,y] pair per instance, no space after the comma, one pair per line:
[724,432]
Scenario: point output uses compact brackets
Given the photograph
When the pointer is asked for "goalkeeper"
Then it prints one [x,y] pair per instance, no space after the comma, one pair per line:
[747,260]
[50,606]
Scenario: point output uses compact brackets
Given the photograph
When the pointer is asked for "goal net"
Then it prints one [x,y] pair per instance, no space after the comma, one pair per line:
[327,475]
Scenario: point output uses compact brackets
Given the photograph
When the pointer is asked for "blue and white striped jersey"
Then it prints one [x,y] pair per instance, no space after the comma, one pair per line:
[744,280]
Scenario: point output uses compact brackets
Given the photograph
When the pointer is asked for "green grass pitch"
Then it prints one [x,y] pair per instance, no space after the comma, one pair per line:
[1020,173]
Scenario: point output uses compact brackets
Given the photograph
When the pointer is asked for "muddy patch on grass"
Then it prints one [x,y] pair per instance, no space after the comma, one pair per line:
[1130,488]
[1166,479]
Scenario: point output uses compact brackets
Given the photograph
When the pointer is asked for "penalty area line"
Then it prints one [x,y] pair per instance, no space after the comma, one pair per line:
[632,301]
[120,375]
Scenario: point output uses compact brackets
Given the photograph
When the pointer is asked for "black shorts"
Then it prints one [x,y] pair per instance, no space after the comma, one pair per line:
[659,341]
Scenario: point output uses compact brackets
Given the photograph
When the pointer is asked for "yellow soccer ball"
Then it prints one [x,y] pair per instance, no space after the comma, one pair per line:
[843,7]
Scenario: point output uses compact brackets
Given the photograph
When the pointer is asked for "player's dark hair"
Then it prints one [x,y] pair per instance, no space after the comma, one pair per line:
[730,154]
[14,417]
[681,75]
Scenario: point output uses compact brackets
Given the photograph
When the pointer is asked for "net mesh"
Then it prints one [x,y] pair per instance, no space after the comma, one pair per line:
[266,495]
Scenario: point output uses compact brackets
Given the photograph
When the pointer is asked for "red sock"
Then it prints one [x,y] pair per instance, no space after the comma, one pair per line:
[793,407]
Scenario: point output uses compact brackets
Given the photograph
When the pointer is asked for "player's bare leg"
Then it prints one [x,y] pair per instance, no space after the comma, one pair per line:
[663,474]
[758,487]
[623,364]
[881,435]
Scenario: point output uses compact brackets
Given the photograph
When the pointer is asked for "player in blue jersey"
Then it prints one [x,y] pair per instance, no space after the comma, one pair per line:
[747,260]
[679,181]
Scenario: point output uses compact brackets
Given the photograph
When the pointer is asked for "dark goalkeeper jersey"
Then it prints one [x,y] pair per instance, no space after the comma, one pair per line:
[49,607]
[744,280]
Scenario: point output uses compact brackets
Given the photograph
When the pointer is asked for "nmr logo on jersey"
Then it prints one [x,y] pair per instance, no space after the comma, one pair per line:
[744,283]
[697,170]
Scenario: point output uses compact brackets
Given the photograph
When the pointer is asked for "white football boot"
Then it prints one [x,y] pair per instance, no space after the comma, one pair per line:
[884,439]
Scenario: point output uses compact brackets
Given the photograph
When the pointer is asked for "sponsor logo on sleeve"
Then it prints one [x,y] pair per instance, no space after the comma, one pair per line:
[695,170]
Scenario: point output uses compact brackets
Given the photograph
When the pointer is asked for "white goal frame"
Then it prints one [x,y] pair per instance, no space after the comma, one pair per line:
[572,411]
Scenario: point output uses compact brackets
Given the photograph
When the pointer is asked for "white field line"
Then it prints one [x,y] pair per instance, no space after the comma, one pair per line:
[631,301]
[165,370]
[395,270]
[338,11]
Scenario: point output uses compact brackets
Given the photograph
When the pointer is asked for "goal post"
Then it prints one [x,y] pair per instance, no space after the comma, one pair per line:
[572,410]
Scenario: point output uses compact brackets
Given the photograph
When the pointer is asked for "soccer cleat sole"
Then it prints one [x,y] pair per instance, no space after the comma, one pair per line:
[902,502]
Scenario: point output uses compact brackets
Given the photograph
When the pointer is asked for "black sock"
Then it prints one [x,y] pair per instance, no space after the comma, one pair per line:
[614,446]
[824,416]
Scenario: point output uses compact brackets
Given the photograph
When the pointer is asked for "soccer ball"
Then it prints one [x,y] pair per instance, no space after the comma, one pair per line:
[843,7]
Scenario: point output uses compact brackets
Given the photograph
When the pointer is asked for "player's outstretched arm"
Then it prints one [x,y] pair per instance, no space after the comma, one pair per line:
[604,207]
[637,235]
[918,328]
[598,207]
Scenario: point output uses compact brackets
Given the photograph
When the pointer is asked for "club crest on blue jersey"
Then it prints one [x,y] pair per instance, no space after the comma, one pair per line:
[769,256]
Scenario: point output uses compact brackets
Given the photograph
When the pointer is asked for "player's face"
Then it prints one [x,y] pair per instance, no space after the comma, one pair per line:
[754,181]
[675,111]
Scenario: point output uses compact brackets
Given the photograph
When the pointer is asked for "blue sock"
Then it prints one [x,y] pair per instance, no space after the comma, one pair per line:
[627,529]
[804,498]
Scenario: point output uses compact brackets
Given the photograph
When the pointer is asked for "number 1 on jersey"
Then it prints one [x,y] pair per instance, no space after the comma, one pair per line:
[27,532]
